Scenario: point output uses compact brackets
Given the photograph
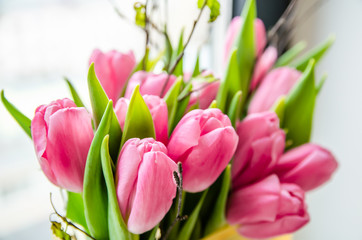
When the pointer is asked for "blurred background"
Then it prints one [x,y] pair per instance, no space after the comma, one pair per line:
[41,41]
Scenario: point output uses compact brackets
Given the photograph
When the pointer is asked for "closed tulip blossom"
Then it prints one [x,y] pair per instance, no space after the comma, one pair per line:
[204,142]
[275,84]
[113,69]
[203,92]
[308,165]
[263,65]
[150,83]
[233,32]
[62,134]
[158,110]
[267,208]
[144,183]
[261,143]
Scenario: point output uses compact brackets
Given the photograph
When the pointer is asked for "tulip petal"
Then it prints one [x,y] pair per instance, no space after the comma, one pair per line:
[199,172]
[69,137]
[155,191]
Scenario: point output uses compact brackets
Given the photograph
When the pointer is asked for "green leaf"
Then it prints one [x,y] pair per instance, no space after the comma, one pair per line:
[138,123]
[299,106]
[183,101]
[321,83]
[21,119]
[235,107]
[99,101]
[179,68]
[196,71]
[213,104]
[290,55]
[279,108]
[171,101]
[116,225]
[214,7]
[139,65]
[217,218]
[74,93]
[230,85]
[58,232]
[246,48]
[190,223]
[140,17]
[75,209]
[95,190]
[317,53]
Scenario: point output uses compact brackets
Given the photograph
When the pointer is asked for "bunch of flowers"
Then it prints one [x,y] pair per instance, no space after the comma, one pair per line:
[177,155]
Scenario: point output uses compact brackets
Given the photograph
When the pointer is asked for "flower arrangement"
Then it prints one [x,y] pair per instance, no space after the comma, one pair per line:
[177,155]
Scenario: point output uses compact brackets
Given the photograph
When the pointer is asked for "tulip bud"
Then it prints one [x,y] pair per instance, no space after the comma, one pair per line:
[233,32]
[158,110]
[62,134]
[204,90]
[204,142]
[112,70]
[267,208]
[263,65]
[308,165]
[144,183]
[261,143]
[275,84]
[150,83]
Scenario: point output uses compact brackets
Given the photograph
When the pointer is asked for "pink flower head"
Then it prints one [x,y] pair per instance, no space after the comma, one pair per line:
[158,110]
[308,165]
[204,142]
[144,183]
[233,32]
[267,208]
[261,143]
[275,84]
[204,91]
[113,69]
[62,134]
[150,83]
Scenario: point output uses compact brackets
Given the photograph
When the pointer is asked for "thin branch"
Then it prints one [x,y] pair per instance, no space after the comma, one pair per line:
[179,57]
[64,219]
[179,181]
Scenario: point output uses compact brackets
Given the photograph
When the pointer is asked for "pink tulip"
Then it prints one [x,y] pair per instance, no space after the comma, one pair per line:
[308,165]
[158,110]
[144,183]
[204,142]
[263,65]
[275,84]
[113,69]
[62,134]
[203,92]
[261,143]
[267,208]
[150,83]
[233,32]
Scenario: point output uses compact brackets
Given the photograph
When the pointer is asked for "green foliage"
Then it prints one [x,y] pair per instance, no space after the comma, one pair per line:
[95,190]
[21,119]
[74,93]
[290,55]
[99,102]
[75,209]
[316,53]
[299,107]
[279,108]
[235,107]
[214,7]
[190,223]
[140,18]
[138,121]
[196,71]
[116,225]
[58,232]
[217,218]
[172,103]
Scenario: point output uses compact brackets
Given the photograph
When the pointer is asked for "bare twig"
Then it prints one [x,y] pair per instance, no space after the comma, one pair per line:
[64,219]
[179,181]
[179,57]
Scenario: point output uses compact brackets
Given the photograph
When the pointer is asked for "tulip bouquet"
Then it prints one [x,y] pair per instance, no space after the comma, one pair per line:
[175,155]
